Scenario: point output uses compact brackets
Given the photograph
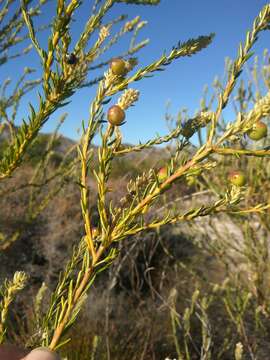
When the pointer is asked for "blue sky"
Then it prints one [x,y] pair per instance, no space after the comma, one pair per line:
[182,82]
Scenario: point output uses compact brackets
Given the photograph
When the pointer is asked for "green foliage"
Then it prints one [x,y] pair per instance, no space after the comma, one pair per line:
[11,27]
[7,295]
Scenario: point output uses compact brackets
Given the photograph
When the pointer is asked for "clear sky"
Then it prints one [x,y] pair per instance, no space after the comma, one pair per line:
[182,82]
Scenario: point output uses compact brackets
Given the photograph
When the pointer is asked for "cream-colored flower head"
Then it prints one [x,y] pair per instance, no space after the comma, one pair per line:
[128,98]
[42,354]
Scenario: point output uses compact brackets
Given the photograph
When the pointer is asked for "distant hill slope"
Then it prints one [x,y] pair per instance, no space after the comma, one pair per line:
[133,162]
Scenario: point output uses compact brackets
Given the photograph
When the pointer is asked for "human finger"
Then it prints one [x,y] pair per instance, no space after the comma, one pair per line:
[42,354]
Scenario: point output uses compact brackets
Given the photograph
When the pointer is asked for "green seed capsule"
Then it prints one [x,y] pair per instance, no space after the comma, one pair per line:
[258,131]
[118,67]
[116,115]
[191,180]
[237,178]
[162,174]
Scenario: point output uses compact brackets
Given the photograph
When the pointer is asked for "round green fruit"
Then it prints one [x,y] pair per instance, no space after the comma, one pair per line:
[116,115]
[118,67]
[237,178]
[258,131]
[162,174]
[191,180]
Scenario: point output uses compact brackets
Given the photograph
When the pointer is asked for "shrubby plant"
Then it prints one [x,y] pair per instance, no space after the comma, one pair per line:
[64,71]
[239,241]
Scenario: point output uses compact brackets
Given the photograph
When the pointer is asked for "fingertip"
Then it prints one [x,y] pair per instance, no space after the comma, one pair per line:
[42,353]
